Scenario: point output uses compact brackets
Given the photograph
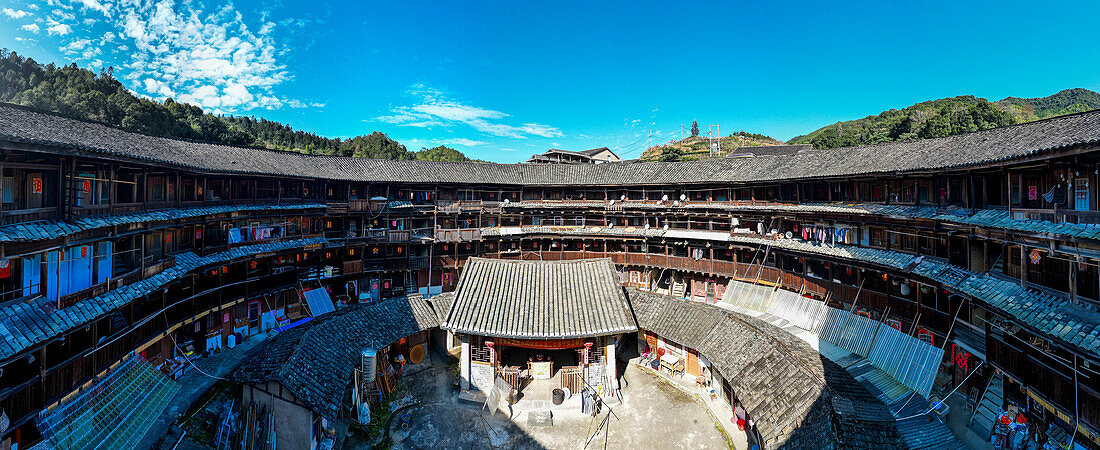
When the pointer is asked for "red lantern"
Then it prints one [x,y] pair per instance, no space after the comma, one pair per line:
[490,344]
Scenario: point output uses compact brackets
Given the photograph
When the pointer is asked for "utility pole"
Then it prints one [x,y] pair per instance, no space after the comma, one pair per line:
[714,135]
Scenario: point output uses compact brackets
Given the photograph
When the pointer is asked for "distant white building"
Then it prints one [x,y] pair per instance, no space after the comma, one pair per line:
[593,156]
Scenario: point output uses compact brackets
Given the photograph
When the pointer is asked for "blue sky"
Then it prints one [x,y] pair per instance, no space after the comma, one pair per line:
[504,80]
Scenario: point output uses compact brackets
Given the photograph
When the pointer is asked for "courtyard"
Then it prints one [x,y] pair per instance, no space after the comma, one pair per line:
[653,415]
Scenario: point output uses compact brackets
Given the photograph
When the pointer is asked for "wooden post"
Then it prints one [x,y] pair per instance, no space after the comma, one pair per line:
[1023,266]
[1073,281]
[62,196]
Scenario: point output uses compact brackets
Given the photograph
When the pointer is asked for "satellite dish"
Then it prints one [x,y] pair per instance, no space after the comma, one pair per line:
[622,197]
[683,197]
[905,290]
[676,203]
[506,201]
[610,226]
[612,202]
[647,225]
[664,198]
[789,235]
[666,226]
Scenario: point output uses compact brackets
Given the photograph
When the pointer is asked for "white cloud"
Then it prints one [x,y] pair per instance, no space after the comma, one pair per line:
[196,53]
[32,27]
[95,5]
[205,55]
[75,46]
[462,141]
[158,88]
[15,14]
[60,29]
[435,109]
[62,15]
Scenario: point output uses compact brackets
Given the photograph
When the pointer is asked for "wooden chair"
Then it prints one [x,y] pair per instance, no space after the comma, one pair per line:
[678,368]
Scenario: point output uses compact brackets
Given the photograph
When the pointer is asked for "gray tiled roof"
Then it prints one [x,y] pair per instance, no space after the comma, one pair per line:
[316,363]
[23,325]
[999,144]
[52,229]
[539,299]
[787,388]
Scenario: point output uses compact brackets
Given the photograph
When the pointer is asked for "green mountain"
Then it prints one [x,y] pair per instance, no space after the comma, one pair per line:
[948,116]
[82,94]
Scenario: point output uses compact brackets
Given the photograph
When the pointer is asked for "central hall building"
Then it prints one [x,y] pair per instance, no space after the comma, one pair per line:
[554,324]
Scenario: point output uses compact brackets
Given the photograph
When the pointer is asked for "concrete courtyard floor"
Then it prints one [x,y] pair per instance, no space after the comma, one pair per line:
[653,415]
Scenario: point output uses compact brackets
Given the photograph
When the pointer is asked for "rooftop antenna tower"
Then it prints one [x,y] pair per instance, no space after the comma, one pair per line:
[714,135]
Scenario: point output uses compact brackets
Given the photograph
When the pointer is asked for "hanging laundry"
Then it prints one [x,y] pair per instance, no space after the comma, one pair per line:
[235,236]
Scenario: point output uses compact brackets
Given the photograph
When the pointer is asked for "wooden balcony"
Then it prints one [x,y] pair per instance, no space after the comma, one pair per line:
[458,234]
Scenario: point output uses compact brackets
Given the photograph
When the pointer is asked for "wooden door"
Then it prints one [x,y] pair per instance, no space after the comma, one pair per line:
[1081,194]
[692,366]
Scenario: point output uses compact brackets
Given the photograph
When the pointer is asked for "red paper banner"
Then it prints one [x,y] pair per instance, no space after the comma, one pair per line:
[545,344]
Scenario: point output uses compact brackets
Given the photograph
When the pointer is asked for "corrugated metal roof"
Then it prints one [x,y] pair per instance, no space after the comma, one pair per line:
[539,299]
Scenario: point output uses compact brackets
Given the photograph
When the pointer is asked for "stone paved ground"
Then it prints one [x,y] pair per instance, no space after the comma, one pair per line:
[653,415]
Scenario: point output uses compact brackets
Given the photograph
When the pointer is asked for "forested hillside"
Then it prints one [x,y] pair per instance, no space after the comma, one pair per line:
[948,116]
[82,94]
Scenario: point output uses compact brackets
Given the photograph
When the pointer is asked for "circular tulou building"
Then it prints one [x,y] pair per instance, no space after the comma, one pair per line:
[937,293]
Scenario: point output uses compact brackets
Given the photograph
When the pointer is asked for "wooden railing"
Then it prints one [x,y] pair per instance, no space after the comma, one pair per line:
[570,377]
[511,375]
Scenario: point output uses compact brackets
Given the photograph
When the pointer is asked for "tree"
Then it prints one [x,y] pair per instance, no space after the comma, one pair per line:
[440,153]
[670,154]
[376,146]
[694,128]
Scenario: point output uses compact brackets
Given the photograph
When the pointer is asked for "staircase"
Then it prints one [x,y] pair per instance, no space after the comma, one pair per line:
[410,283]
[678,288]
[988,408]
